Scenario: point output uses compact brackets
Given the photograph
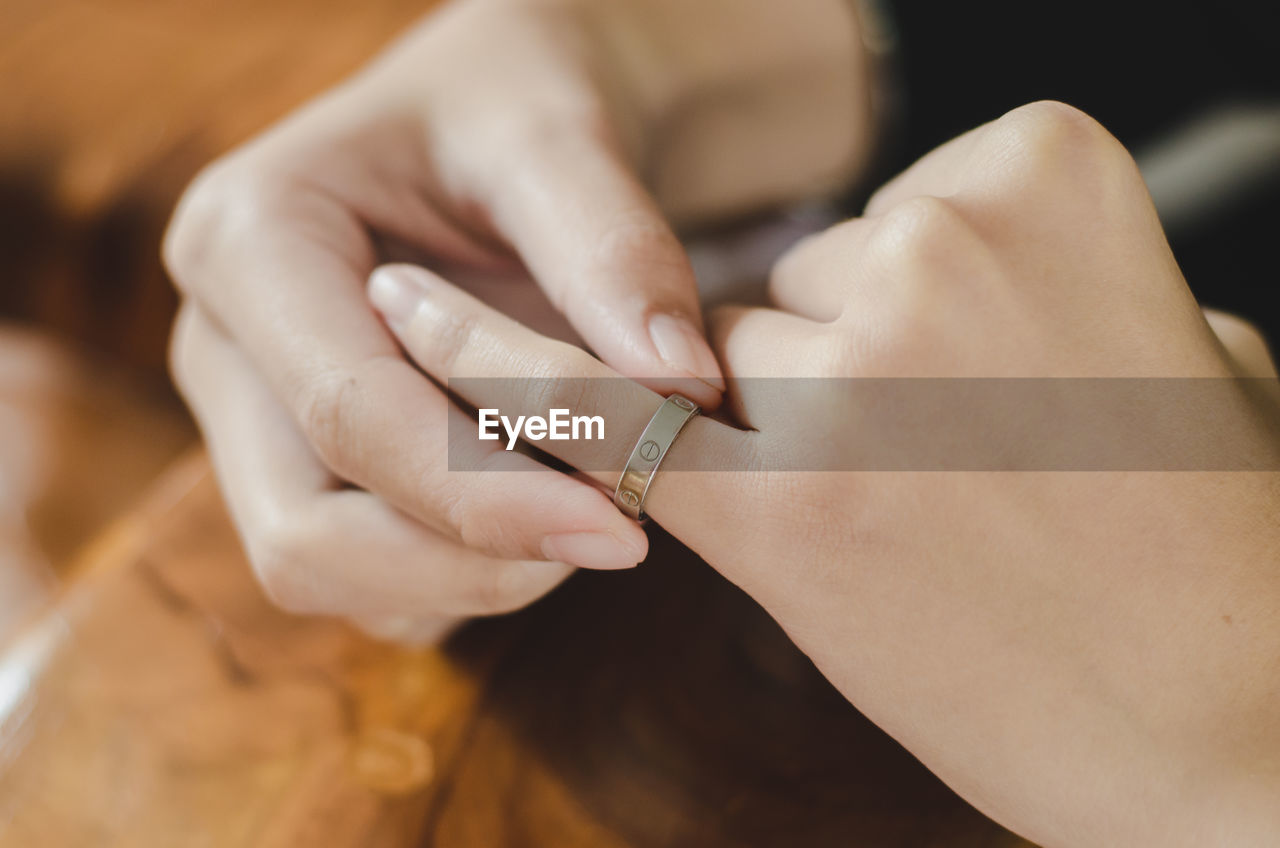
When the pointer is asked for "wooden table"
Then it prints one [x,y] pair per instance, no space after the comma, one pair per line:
[107,110]
[163,702]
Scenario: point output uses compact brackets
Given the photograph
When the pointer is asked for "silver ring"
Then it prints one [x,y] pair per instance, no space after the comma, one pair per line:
[649,452]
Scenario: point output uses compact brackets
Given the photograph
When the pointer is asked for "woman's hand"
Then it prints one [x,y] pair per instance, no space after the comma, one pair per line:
[498,133]
[1090,657]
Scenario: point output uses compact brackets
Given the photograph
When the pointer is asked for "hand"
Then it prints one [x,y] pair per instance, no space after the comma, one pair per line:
[496,126]
[1090,658]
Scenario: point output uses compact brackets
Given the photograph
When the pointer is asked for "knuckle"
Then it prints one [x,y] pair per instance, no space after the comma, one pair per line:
[644,245]
[281,560]
[329,409]
[1048,127]
[451,335]
[180,248]
[932,260]
[550,389]
[639,240]
[561,114]
[553,127]
[922,231]
[334,408]
[226,203]
[1050,113]
[197,215]
[921,218]
[561,122]
[1048,139]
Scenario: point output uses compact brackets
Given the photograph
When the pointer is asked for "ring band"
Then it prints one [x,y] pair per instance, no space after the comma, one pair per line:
[649,452]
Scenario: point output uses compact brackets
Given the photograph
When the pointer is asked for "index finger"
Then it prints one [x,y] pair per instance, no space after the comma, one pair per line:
[598,244]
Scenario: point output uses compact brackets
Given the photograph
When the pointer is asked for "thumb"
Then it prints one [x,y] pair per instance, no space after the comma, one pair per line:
[598,245]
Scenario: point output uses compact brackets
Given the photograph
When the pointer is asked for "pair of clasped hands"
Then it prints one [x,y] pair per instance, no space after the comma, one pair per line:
[1090,658]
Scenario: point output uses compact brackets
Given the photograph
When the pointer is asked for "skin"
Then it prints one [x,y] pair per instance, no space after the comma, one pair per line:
[1091,658]
[553,141]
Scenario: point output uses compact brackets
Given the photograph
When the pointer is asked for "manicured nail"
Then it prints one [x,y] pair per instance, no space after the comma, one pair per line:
[681,346]
[395,294]
[591,549]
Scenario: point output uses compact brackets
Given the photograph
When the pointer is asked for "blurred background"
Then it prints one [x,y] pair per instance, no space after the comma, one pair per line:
[109,107]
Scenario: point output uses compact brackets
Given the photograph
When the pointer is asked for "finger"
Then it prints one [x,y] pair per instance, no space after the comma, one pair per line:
[598,244]
[288,278]
[763,378]
[316,546]
[1244,342]
[737,331]
[939,173]
[451,335]
[347,552]
[813,277]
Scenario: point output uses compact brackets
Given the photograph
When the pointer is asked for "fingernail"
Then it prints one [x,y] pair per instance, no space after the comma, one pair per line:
[681,346]
[591,549]
[395,294]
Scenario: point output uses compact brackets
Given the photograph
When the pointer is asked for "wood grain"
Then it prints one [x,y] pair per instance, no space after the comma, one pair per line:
[79,442]
[165,702]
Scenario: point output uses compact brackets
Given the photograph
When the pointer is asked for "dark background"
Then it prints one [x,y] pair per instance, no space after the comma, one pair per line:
[1141,69]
